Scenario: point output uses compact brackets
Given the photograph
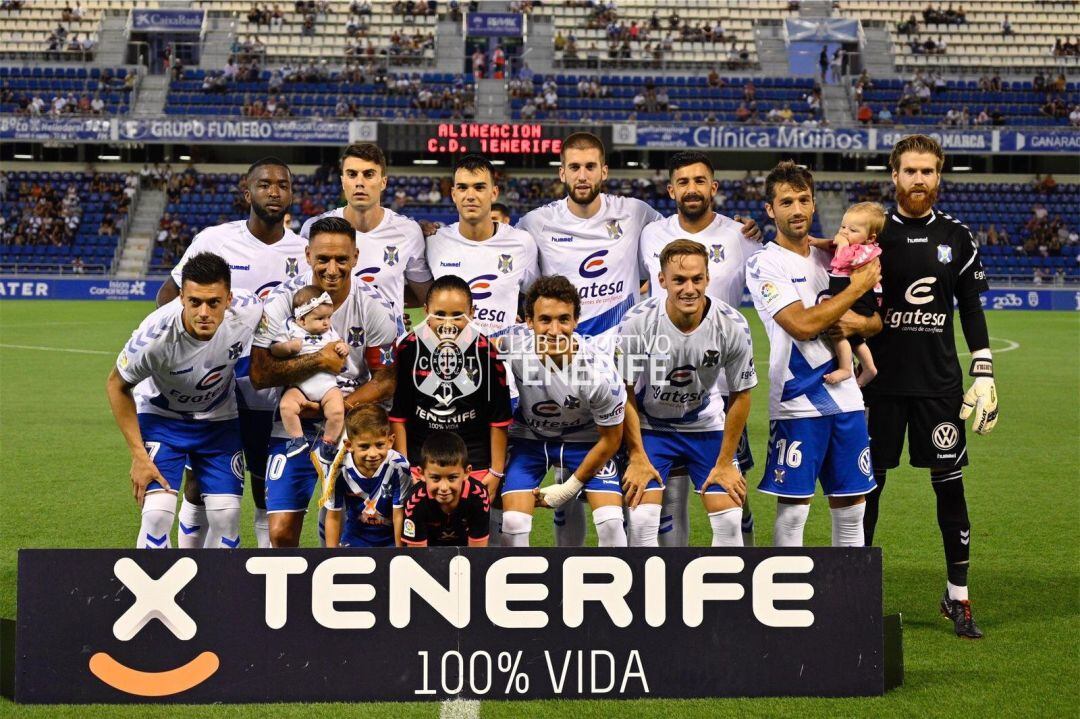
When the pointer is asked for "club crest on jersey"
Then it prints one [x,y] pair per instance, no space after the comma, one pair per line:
[571,402]
[614,229]
[235,350]
[593,265]
[292,266]
[481,286]
[356,336]
[711,359]
[778,475]
[716,253]
[368,274]
[447,361]
[506,264]
[386,355]
[944,254]
[390,255]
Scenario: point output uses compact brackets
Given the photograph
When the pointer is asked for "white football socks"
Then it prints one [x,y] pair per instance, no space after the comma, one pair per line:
[262,529]
[675,514]
[727,527]
[516,527]
[643,525]
[158,512]
[223,518]
[790,522]
[610,531]
[192,531]
[847,525]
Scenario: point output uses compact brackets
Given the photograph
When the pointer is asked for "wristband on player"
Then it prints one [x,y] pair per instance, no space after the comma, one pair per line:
[982,364]
[496,475]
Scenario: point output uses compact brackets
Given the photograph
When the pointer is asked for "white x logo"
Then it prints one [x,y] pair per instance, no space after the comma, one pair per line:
[154,598]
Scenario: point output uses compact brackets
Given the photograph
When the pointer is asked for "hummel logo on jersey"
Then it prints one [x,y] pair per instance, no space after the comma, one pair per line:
[571,403]
[917,240]
[506,264]
[614,229]
[356,336]
[181,371]
[965,536]
[242,268]
[390,255]
[292,266]
[716,253]
[235,350]
[712,358]
[944,254]
[562,239]
[449,264]
[798,279]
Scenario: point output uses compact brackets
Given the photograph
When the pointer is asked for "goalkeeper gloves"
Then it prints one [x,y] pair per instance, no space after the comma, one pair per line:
[981,397]
[556,495]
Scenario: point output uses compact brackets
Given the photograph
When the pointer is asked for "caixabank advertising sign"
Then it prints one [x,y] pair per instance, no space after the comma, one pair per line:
[114,626]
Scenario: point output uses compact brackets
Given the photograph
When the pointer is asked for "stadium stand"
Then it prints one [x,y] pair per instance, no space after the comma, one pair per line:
[63,222]
[640,33]
[650,99]
[1025,232]
[312,90]
[1021,32]
[335,30]
[975,102]
[66,90]
[42,26]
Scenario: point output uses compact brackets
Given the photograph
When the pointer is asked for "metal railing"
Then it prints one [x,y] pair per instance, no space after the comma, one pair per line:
[52,269]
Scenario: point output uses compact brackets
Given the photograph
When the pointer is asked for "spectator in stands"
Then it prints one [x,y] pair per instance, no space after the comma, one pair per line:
[77,265]
[884,116]
[823,62]
[952,118]
[865,114]
[743,113]
[663,101]
[1060,83]
[997,117]
[1006,27]
[995,83]
[1074,116]
[107,226]
[714,79]
[908,26]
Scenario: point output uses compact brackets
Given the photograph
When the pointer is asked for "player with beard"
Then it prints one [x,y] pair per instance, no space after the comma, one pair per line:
[592,238]
[692,185]
[262,252]
[817,430]
[930,265]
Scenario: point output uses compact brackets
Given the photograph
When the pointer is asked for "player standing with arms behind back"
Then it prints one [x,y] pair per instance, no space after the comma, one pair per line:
[930,263]
[262,253]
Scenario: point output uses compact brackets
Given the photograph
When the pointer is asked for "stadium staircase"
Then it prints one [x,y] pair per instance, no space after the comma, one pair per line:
[771,50]
[836,104]
[112,45]
[492,101]
[878,51]
[450,49]
[135,255]
[539,50]
[830,206]
[217,44]
[150,102]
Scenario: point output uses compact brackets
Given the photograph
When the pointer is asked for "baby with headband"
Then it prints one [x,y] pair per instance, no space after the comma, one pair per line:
[307,332]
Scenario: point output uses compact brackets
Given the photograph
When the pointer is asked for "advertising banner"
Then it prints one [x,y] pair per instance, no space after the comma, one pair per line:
[15,287]
[116,626]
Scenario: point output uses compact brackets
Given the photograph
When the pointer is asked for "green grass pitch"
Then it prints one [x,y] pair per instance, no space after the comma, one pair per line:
[63,483]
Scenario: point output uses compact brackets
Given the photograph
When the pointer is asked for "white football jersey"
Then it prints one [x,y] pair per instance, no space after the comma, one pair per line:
[676,375]
[728,251]
[776,278]
[181,377]
[598,255]
[257,267]
[564,404]
[388,255]
[497,270]
[366,321]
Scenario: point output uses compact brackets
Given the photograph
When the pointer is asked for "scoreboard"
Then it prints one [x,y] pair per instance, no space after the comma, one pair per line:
[486,138]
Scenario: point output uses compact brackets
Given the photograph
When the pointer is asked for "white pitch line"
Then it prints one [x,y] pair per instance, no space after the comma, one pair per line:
[55,349]
[1009,347]
[459,709]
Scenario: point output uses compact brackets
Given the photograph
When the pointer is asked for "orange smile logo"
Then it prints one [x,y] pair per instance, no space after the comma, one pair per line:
[154,599]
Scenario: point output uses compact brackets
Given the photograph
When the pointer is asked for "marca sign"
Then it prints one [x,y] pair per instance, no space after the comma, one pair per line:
[238,626]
